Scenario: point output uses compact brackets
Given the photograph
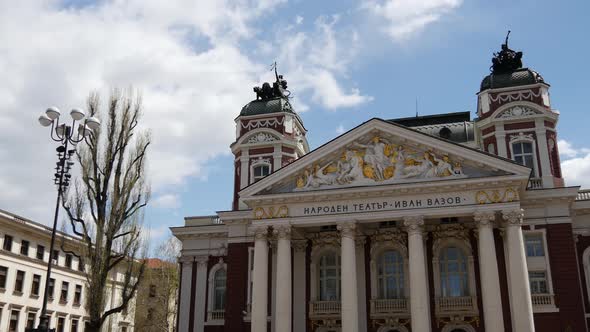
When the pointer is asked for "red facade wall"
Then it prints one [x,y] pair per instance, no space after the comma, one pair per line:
[566,283]
[490,140]
[488,130]
[519,125]
[237,286]
[495,105]
[582,243]
[554,154]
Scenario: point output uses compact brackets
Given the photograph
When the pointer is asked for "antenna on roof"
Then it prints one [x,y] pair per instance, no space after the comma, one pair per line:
[416,106]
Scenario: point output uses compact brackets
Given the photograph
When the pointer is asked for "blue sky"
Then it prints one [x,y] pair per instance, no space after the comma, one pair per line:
[196,62]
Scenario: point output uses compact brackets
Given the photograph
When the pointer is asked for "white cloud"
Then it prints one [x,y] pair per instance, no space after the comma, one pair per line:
[575,165]
[405,18]
[167,201]
[340,129]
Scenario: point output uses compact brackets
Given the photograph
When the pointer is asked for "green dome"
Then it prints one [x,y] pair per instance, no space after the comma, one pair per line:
[521,76]
[266,106]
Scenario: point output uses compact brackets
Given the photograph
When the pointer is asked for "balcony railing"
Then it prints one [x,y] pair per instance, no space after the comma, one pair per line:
[543,300]
[324,308]
[535,183]
[455,304]
[583,195]
[216,315]
[389,306]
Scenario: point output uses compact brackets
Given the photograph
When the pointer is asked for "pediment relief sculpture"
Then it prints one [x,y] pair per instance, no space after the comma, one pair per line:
[378,161]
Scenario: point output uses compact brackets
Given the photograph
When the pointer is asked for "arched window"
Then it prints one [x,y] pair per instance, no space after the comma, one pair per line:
[329,277]
[390,275]
[453,273]
[219,289]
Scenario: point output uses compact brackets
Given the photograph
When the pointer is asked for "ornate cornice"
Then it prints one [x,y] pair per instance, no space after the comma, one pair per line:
[414,224]
[347,229]
[324,239]
[390,235]
[513,217]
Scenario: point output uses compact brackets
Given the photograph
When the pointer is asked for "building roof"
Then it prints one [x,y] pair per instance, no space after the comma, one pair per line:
[156,263]
[456,127]
[265,106]
[521,76]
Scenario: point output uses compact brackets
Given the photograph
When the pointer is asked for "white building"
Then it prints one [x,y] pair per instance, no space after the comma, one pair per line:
[24,252]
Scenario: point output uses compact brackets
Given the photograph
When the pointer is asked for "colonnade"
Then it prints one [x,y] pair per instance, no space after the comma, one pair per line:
[520,299]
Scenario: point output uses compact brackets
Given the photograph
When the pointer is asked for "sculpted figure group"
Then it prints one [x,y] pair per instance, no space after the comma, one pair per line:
[378,161]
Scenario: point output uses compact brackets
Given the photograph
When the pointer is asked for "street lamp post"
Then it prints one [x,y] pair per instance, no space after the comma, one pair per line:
[68,136]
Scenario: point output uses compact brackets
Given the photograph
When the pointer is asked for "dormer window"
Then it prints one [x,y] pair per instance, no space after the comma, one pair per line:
[523,154]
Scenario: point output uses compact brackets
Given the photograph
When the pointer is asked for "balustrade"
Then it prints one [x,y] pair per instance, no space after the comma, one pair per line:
[216,315]
[540,300]
[388,306]
[319,308]
[459,303]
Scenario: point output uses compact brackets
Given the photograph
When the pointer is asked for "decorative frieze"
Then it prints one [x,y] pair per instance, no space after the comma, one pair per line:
[443,233]
[517,111]
[264,123]
[271,212]
[496,196]
[515,96]
[261,138]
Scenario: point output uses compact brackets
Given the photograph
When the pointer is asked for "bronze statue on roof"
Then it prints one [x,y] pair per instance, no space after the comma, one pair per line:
[278,89]
[506,60]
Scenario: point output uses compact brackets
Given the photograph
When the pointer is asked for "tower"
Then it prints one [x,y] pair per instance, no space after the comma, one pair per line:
[515,119]
[269,135]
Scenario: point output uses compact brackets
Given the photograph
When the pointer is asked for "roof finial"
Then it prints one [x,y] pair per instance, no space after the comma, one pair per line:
[278,89]
[506,60]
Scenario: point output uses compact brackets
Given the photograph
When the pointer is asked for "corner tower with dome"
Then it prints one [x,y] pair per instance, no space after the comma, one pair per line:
[269,135]
[436,223]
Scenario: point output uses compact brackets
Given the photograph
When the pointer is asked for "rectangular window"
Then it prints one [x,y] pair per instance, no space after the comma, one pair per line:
[78,295]
[31,320]
[534,245]
[55,257]
[13,321]
[36,285]
[20,279]
[538,282]
[123,328]
[74,327]
[24,248]
[80,264]
[51,288]
[63,297]
[40,251]
[3,276]
[69,261]
[152,290]
[61,324]
[7,242]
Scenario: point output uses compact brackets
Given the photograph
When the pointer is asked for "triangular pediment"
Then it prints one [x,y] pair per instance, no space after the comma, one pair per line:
[379,152]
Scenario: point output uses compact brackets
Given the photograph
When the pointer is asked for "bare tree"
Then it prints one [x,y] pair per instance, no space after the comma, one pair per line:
[105,208]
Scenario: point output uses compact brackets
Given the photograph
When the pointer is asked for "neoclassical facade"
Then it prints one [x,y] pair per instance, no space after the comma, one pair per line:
[434,223]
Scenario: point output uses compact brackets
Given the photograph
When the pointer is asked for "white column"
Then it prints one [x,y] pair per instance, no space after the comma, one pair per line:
[260,281]
[201,291]
[283,305]
[273,283]
[501,140]
[185,296]
[419,300]
[299,300]
[541,134]
[361,286]
[349,292]
[520,293]
[488,270]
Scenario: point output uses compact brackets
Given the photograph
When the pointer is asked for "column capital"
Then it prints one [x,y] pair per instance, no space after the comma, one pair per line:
[360,241]
[260,232]
[186,259]
[282,232]
[414,224]
[202,260]
[347,229]
[484,218]
[513,217]
[299,245]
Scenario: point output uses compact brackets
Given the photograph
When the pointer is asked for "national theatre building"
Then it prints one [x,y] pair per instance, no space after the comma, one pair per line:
[437,223]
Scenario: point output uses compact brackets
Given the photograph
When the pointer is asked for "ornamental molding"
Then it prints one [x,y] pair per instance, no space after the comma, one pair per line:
[324,239]
[504,97]
[442,234]
[259,232]
[260,161]
[521,137]
[378,161]
[299,245]
[263,123]
[218,235]
[484,218]
[261,138]
[414,224]
[517,111]
[271,212]
[496,196]
[394,235]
